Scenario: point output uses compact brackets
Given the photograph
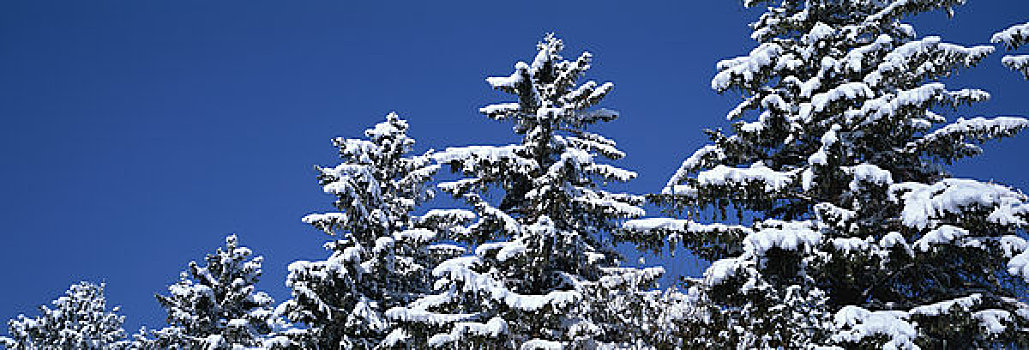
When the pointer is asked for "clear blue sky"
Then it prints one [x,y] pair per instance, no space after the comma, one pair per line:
[137,134]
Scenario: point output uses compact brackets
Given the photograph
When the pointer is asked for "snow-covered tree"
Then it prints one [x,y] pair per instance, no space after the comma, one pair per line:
[543,275]
[384,254]
[79,320]
[851,233]
[1013,38]
[216,306]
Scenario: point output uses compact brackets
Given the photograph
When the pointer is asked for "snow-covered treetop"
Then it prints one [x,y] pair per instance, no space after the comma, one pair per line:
[78,320]
[548,91]
[552,171]
[383,257]
[216,305]
[831,77]
[540,250]
[376,186]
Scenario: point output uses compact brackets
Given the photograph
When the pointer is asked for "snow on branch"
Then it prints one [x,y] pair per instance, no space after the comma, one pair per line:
[790,236]
[475,159]
[945,234]
[722,175]
[952,140]
[1012,37]
[460,269]
[511,82]
[845,92]
[540,344]
[924,204]
[596,143]
[501,110]
[856,323]
[1018,63]
[701,158]
[900,8]
[868,173]
[1019,265]
[924,58]
[655,233]
[611,204]
[897,327]
[746,70]
[493,328]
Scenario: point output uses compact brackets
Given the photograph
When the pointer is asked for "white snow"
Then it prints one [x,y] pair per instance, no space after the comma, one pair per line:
[722,175]
[850,245]
[1018,63]
[540,344]
[521,70]
[993,320]
[944,234]
[895,239]
[419,235]
[493,328]
[888,105]
[972,128]
[721,270]
[946,306]
[500,108]
[855,323]
[510,250]
[1019,265]
[807,179]
[819,32]
[1012,37]
[1012,245]
[678,226]
[790,237]
[745,68]
[474,154]
[925,203]
[846,91]
[692,164]
[868,173]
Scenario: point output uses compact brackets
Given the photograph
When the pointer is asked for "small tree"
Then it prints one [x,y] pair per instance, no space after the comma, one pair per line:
[855,235]
[217,306]
[79,320]
[383,256]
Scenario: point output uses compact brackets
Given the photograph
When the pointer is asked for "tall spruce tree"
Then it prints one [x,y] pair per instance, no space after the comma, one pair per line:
[79,320]
[216,306]
[384,254]
[851,232]
[543,275]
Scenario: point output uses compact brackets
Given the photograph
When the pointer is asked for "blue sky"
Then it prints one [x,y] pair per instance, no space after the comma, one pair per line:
[137,134]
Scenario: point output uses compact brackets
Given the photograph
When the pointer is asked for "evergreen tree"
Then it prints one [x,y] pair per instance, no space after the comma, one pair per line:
[543,275]
[384,255]
[1013,38]
[79,320]
[851,232]
[216,306]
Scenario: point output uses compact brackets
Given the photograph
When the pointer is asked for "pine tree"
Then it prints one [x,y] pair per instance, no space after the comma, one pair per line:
[217,306]
[851,231]
[1013,38]
[384,254]
[79,320]
[543,275]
